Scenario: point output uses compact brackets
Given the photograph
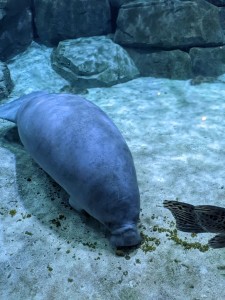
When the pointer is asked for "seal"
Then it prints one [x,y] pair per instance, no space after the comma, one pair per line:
[78,145]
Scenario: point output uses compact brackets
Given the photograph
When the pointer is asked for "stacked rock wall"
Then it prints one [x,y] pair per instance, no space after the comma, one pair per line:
[177,39]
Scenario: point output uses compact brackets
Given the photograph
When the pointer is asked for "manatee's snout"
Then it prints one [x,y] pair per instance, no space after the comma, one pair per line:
[125,237]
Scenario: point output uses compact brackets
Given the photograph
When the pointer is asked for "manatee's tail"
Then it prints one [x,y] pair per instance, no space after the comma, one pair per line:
[9,110]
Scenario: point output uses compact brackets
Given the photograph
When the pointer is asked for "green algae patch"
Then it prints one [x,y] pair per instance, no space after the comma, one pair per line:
[12,212]
[90,245]
[137,260]
[26,216]
[28,233]
[172,235]
[120,252]
[58,221]
[50,269]
[149,244]
[124,252]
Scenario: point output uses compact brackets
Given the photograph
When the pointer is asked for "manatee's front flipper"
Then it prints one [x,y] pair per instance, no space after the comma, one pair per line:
[75,204]
[185,216]
[217,241]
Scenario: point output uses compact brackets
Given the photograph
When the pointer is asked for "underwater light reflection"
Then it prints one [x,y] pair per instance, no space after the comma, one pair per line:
[203,118]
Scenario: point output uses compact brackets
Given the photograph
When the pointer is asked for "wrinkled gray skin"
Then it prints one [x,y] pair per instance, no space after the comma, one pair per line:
[80,148]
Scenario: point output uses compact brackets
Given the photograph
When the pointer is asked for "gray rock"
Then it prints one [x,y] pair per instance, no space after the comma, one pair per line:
[13,7]
[93,62]
[6,83]
[208,61]
[204,79]
[115,5]
[175,64]
[222,18]
[118,3]
[57,20]
[169,24]
[15,27]
[73,90]
[217,2]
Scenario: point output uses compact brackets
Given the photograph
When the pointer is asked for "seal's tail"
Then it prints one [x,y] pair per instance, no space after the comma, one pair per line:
[9,110]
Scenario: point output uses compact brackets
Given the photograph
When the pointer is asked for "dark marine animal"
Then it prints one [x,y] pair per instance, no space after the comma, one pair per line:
[78,145]
[199,219]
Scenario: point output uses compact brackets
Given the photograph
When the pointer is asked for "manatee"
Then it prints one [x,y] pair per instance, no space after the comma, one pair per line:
[80,147]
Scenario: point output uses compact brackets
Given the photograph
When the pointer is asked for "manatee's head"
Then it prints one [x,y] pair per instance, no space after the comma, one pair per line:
[125,236]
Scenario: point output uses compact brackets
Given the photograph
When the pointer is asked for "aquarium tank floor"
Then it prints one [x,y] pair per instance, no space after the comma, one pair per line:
[176,133]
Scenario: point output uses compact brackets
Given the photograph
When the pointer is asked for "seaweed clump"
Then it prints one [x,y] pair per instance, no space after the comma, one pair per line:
[172,235]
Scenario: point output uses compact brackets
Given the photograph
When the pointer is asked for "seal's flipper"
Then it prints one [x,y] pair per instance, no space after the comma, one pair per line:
[217,241]
[9,110]
[185,216]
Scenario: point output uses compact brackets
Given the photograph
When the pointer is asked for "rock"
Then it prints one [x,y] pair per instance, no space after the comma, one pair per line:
[169,24]
[115,5]
[15,27]
[204,79]
[6,83]
[118,3]
[217,2]
[222,18]
[208,61]
[57,20]
[14,7]
[175,64]
[93,62]
[73,90]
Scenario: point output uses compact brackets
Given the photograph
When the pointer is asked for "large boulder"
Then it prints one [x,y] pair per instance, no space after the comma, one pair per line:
[169,24]
[13,7]
[115,6]
[118,3]
[6,83]
[15,27]
[57,20]
[222,18]
[208,61]
[175,64]
[93,62]
[217,2]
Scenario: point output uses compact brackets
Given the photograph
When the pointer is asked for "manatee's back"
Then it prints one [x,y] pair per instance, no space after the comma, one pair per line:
[59,128]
